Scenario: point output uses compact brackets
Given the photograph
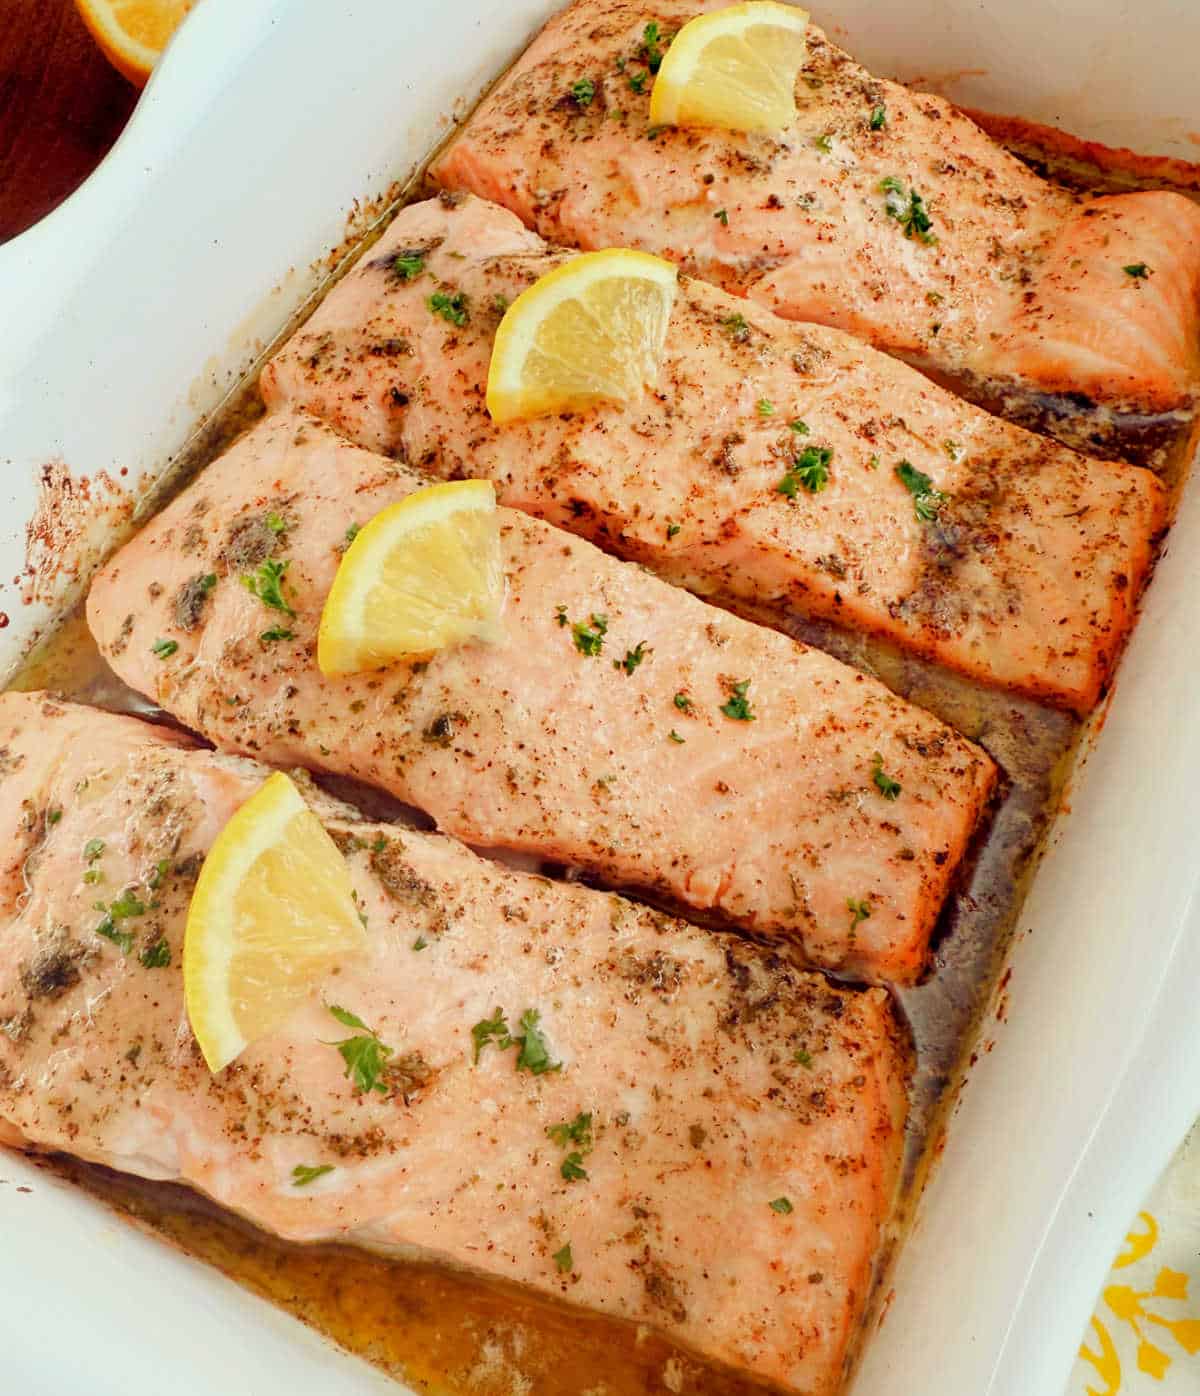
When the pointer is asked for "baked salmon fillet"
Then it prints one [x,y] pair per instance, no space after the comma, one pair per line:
[666,746]
[1024,573]
[967,263]
[734,1125]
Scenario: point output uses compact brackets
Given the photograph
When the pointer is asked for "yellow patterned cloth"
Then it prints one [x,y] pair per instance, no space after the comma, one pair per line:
[1144,1337]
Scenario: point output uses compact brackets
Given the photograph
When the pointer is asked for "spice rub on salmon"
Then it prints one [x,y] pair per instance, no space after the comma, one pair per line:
[773,465]
[620,725]
[881,211]
[681,1130]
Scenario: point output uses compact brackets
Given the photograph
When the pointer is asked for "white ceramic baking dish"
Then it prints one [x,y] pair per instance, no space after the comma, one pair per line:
[129,311]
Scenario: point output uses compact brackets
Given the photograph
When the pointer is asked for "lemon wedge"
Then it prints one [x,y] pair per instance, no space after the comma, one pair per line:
[272,914]
[424,574]
[735,69]
[590,331]
[133,33]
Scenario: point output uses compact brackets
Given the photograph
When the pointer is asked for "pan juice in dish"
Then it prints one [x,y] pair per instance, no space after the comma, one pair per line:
[443,1331]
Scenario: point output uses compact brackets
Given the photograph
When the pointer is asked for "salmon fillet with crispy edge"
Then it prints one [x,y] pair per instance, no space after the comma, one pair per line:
[1026,284]
[717,1078]
[1027,577]
[766,810]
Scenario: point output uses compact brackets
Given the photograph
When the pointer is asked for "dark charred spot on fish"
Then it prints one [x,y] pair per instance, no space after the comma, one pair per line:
[193,539]
[661,1290]
[390,349]
[398,397]
[443,727]
[249,542]
[154,590]
[451,198]
[16,1026]
[10,761]
[408,1075]
[404,885]
[119,645]
[660,973]
[725,460]
[54,969]
[697,1135]
[190,599]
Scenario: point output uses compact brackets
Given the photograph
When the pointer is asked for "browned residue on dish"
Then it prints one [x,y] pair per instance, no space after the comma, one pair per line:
[73,525]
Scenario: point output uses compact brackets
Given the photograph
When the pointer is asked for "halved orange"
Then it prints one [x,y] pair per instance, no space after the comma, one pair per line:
[133,33]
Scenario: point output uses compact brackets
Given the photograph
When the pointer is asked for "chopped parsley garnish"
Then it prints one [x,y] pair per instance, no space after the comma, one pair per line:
[452,308]
[92,876]
[92,850]
[798,426]
[589,636]
[878,118]
[160,871]
[276,523]
[276,632]
[365,1056]
[673,529]
[722,217]
[887,787]
[632,657]
[576,1131]
[156,956]
[738,705]
[560,614]
[803,1057]
[582,92]
[683,703]
[1138,270]
[304,1173]
[534,1053]
[420,943]
[489,1030]
[907,209]
[637,82]
[409,265]
[499,303]
[572,1168]
[782,1206]
[952,449]
[267,584]
[53,816]
[824,143]
[873,463]
[765,407]
[926,499]
[126,905]
[164,649]
[809,470]
[859,911]
[653,43]
[352,532]
[563,1259]
[675,737]
[737,326]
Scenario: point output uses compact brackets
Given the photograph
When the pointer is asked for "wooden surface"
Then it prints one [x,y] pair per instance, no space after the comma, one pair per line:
[61,108]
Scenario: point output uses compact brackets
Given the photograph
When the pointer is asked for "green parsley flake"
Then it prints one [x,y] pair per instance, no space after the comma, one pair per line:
[738,706]
[637,82]
[799,427]
[352,532]
[490,1030]
[675,737]
[683,703]
[878,118]
[572,1168]
[92,850]
[859,911]
[632,657]
[589,636]
[276,523]
[736,324]
[276,632]
[653,43]
[126,905]
[365,1055]
[765,407]
[563,1259]
[782,1206]
[673,529]
[576,1131]
[907,209]
[873,463]
[722,217]
[420,943]
[926,499]
[156,956]
[804,1058]
[824,143]
[452,308]
[952,449]
[583,91]
[534,1053]
[160,871]
[1138,270]
[267,584]
[409,265]
[809,470]
[303,1173]
[887,787]
[164,649]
